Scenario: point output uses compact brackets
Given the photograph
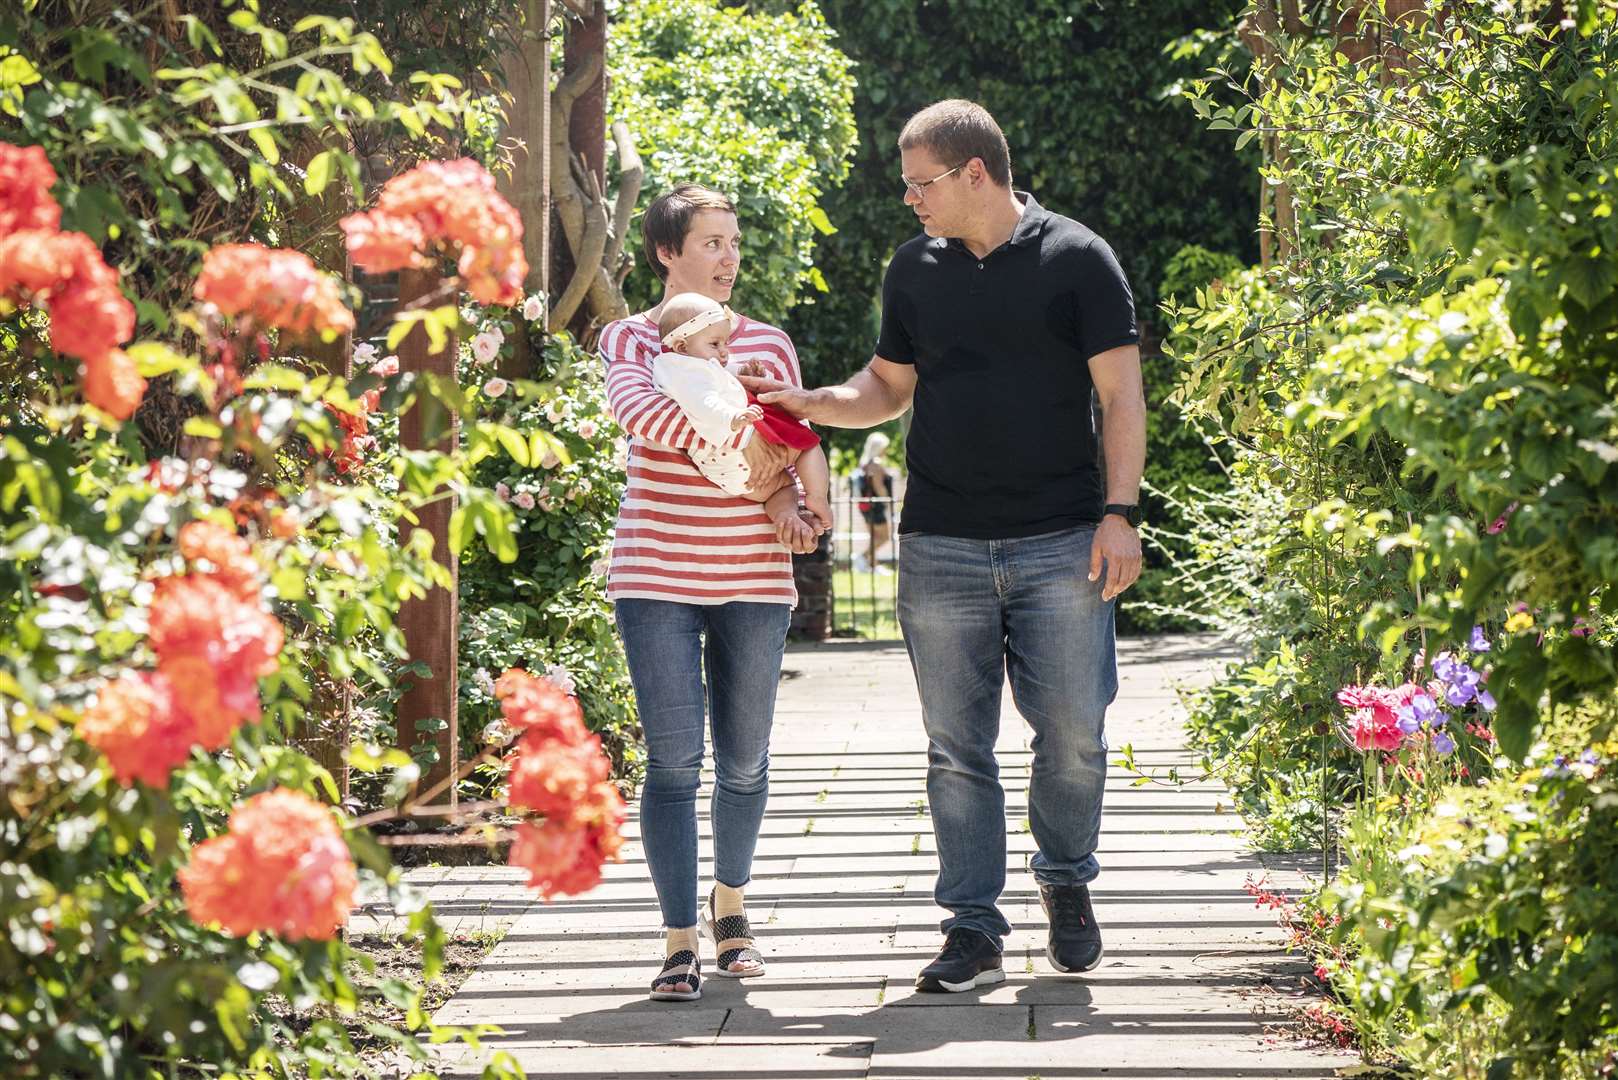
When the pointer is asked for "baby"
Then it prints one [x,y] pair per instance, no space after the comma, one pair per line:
[696,331]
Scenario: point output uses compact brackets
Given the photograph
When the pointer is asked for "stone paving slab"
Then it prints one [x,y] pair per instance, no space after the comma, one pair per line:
[842,904]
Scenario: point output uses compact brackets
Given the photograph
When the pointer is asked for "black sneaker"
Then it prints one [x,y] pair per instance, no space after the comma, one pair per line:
[1075,940]
[968,959]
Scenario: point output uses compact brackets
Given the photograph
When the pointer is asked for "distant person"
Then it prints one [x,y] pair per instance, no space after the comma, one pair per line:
[873,485]
[997,325]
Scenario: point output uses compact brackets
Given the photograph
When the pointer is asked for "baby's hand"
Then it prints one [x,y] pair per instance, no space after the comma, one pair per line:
[750,415]
[751,368]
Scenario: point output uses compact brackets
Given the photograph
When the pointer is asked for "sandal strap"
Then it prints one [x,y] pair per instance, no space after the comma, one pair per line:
[682,966]
[732,927]
[746,953]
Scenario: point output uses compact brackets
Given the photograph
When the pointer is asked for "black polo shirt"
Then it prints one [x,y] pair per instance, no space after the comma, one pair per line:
[1003,443]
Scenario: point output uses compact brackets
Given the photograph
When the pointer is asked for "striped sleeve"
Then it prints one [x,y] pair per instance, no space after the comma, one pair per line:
[634,400]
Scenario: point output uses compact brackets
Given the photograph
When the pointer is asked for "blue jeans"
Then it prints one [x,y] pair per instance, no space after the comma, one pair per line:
[972,612]
[664,642]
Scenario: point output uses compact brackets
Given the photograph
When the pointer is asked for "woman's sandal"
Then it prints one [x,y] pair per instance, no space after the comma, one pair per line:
[680,967]
[733,939]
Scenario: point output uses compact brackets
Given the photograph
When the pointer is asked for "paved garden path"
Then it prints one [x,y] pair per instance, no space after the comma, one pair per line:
[1194,983]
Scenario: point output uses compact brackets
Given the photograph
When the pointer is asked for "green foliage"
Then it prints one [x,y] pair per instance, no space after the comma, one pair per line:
[1426,384]
[549,607]
[1489,939]
[1079,90]
[1184,469]
[171,136]
[758,106]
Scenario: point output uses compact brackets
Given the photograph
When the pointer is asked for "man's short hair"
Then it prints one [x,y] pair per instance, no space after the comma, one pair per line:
[668,220]
[955,132]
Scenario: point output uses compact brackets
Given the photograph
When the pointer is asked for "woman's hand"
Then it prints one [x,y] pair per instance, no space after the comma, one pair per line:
[797,534]
[765,460]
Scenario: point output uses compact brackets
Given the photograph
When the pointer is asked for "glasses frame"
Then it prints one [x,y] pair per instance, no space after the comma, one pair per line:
[918,188]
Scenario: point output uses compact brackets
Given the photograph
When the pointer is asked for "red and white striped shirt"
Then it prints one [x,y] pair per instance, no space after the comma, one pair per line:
[679,536]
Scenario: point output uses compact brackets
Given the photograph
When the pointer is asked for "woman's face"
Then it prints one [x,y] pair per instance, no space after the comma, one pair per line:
[708,261]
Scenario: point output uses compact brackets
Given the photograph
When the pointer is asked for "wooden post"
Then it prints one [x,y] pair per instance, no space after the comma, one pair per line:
[527,69]
[431,624]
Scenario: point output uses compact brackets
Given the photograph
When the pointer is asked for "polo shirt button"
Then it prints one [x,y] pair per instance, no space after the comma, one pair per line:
[980,266]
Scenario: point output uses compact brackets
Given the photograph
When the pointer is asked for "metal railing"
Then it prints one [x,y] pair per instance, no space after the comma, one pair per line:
[864,592]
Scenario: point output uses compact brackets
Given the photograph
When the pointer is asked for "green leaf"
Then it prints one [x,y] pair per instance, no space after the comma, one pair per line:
[818,218]
[318,175]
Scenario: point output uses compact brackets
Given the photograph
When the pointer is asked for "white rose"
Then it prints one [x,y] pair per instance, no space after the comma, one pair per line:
[364,353]
[1603,450]
[587,429]
[495,387]
[486,346]
[558,676]
[533,308]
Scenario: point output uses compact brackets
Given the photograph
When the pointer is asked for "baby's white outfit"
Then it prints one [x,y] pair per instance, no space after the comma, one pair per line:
[711,398]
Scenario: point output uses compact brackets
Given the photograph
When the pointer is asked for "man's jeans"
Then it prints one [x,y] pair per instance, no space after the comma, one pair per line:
[973,611]
[664,644]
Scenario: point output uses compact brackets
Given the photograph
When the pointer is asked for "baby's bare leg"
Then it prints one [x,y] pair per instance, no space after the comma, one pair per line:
[815,474]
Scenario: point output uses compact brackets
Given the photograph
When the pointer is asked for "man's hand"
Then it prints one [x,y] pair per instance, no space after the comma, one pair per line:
[765,460]
[1117,544]
[775,392]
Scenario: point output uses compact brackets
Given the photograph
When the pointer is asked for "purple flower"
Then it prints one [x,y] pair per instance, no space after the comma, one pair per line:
[1422,711]
[1479,643]
[1444,666]
[1442,743]
[1486,699]
[1590,757]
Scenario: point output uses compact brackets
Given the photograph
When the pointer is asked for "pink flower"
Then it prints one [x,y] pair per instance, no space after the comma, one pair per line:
[1375,716]
[524,500]
[587,429]
[383,368]
[495,387]
[503,491]
[533,308]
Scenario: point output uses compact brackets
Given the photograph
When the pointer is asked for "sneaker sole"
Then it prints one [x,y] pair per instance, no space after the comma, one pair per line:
[1051,958]
[982,978]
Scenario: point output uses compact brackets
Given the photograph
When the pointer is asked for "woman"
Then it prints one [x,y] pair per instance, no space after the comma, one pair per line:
[874,486]
[700,581]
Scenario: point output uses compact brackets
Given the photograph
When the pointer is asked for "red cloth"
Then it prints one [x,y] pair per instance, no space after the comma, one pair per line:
[782,428]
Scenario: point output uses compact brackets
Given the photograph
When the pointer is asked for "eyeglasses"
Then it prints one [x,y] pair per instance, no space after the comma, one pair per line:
[918,188]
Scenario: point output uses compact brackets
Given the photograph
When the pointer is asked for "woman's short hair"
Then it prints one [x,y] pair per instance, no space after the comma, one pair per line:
[668,220]
[956,131]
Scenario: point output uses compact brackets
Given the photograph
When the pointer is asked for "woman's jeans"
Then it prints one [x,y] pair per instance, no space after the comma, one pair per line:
[974,612]
[664,644]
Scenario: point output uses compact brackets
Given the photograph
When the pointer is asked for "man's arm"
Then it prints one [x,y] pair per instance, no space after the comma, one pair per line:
[876,393]
[1117,378]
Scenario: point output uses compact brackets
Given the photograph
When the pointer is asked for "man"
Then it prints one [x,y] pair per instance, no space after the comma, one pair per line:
[997,324]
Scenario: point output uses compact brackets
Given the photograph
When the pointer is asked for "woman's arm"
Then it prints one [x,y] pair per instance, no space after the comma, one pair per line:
[638,406]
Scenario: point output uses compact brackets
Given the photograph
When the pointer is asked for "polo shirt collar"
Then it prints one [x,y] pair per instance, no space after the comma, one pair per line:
[1029,225]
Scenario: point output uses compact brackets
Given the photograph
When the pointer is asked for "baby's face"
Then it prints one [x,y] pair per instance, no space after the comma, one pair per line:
[710,343]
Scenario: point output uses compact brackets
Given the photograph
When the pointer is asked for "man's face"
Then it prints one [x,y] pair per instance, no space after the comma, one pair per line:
[708,260]
[944,208]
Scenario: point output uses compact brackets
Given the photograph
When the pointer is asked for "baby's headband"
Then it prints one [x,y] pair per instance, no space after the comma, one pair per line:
[696,324]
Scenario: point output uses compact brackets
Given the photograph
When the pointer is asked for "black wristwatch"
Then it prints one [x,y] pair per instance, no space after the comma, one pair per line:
[1130,513]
